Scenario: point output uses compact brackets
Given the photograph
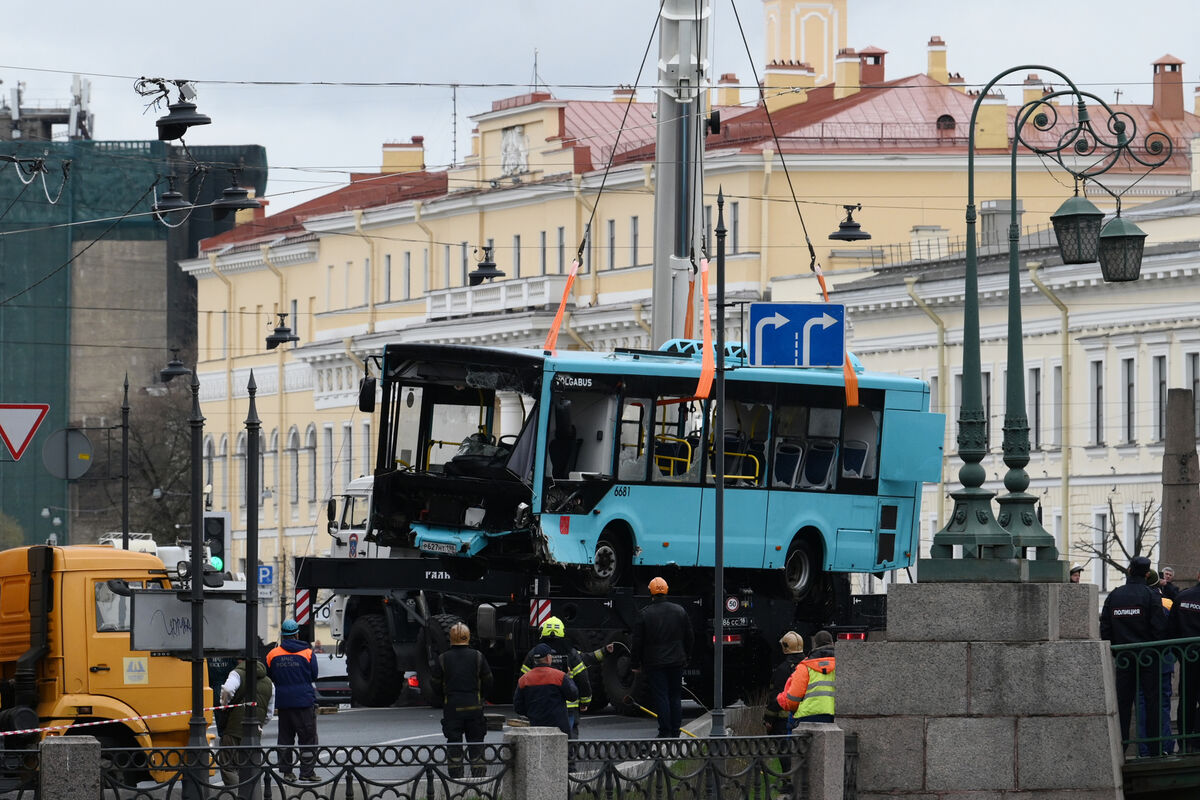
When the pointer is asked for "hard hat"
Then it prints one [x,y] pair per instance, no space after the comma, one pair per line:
[460,633]
[289,627]
[658,586]
[553,627]
[792,642]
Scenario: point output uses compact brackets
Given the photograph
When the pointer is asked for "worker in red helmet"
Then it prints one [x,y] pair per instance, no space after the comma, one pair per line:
[662,642]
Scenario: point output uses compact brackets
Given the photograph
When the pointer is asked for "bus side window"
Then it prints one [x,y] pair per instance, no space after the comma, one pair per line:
[631,451]
[860,443]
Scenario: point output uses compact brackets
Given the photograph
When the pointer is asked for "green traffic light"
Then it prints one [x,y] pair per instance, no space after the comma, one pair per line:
[216,563]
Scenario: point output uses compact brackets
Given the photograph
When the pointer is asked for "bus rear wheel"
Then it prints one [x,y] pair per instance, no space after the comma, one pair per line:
[802,569]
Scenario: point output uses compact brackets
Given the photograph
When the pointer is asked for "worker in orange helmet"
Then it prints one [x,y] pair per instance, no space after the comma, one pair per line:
[662,642]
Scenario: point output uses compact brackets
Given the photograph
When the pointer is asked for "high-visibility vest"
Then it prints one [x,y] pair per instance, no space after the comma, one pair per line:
[818,697]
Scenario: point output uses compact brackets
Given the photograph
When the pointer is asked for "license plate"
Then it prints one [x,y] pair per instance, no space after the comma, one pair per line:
[439,547]
[736,622]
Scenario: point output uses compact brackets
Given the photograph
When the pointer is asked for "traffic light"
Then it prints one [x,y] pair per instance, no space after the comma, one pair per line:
[216,539]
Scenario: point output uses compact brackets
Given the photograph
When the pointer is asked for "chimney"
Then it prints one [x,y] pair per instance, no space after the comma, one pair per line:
[728,92]
[957,81]
[1168,88]
[404,156]
[1034,88]
[991,123]
[624,95]
[937,60]
[846,78]
[870,66]
[787,84]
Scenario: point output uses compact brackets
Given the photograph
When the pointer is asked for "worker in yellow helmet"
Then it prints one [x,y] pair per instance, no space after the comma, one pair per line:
[566,658]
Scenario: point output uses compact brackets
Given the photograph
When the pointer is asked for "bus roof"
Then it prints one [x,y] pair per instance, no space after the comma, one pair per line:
[679,358]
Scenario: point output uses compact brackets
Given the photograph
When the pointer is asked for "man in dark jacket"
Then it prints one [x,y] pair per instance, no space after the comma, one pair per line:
[662,642]
[1134,613]
[293,670]
[462,677]
[543,692]
[566,658]
[1184,623]
[775,719]
[235,691]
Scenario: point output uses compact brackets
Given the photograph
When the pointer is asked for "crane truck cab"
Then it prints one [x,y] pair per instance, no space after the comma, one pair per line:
[66,666]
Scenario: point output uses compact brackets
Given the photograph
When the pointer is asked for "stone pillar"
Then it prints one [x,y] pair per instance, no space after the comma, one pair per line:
[826,758]
[1180,546]
[70,768]
[984,690]
[539,770]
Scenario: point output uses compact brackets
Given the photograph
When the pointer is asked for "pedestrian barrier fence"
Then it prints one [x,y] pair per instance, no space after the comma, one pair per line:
[1159,682]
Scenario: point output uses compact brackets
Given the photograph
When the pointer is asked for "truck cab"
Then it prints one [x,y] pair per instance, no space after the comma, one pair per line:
[65,659]
[349,516]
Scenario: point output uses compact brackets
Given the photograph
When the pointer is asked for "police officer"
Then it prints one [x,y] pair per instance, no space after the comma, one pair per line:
[1184,623]
[566,658]
[1134,613]
[463,678]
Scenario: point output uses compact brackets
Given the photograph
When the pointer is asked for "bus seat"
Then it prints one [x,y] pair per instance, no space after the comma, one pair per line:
[672,456]
[854,458]
[788,456]
[819,462]
[564,453]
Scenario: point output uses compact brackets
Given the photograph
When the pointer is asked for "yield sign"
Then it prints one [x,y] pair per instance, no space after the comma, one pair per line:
[18,423]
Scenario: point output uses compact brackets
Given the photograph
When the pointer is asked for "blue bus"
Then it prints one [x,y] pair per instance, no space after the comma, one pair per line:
[601,464]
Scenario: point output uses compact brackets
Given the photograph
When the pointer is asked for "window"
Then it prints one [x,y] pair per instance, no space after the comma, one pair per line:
[586,266]
[633,242]
[348,455]
[327,477]
[446,266]
[366,293]
[387,277]
[366,447]
[293,457]
[1034,389]
[612,244]
[562,250]
[310,445]
[295,317]
[329,288]
[466,263]
[406,278]
[933,394]
[1193,383]
[708,234]
[1100,542]
[1097,404]
[542,253]
[239,457]
[1128,401]
[516,256]
[1056,389]
[945,123]
[1160,398]
[986,387]
[733,227]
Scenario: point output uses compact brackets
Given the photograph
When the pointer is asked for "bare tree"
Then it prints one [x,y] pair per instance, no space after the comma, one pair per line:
[159,469]
[1111,547]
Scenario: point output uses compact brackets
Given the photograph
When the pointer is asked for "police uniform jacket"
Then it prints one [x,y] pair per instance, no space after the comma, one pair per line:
[1184,620]
[1133,613]
[461,675]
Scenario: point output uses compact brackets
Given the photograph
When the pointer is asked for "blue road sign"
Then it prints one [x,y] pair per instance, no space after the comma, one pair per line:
[266,575]
[797,334]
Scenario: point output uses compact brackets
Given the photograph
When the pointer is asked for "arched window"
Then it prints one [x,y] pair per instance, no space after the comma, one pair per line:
[310,445]
[293,465]
[210,450]
[945,123]
[239,457]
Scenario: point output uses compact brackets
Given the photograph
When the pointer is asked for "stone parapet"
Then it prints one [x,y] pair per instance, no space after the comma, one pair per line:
[1007,612]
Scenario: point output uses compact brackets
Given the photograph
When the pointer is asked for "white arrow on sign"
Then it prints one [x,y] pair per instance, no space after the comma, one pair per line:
[825,320]
[778,320]
[18,422]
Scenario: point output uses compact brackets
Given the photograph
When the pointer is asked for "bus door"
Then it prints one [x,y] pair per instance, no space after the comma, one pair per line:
[660,464]
[744,454]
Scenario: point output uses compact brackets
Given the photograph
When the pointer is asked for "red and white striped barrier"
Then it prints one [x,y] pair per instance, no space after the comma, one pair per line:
[111,721]
[539,611]
[303,610]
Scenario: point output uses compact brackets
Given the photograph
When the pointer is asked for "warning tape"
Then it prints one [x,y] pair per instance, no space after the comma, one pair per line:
[126,719]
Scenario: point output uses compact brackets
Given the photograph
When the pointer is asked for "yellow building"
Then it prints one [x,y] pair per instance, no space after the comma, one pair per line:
[388,257]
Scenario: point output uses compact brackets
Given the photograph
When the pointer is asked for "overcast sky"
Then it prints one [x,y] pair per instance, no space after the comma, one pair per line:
[315,134]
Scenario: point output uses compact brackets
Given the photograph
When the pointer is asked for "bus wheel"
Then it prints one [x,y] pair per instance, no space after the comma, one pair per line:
[609,565]
[371,663]
[801,569]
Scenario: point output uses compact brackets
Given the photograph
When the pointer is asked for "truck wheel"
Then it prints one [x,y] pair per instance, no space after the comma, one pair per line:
[599,695]
[119,761]
[610,562]
[371,663]
[802,569]
[432,641]
[625,688]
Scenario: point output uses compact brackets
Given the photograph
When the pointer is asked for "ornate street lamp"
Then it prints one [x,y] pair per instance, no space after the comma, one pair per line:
[1120,254]
[486,270]
[849,230]
[994,549]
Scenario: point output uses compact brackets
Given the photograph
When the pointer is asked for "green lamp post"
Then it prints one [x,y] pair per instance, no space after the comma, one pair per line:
[995,549]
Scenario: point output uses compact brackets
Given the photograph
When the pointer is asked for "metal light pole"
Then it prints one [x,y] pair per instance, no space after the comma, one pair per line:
[718,711]
[994,550]
[248,775]
[197,726]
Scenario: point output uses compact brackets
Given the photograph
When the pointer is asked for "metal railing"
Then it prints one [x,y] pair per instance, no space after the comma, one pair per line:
[761,767]
[394,772]
[1159,681]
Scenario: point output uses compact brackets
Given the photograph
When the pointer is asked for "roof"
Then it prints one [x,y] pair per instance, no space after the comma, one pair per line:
[365,190]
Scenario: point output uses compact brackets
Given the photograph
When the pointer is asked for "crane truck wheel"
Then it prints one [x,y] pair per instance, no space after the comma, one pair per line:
[432,641]
[625,688]
[371,663]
